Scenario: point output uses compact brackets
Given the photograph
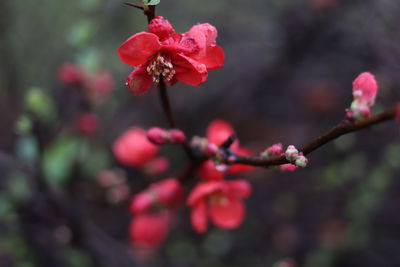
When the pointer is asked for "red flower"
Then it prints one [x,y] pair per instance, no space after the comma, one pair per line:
[161,53]
[218,131]
[133,148]
[167,193]
[150,229]
[220,201]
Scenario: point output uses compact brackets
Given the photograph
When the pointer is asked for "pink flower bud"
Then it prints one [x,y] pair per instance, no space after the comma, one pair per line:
[160,27]
[365,88]
[157,136]
[70,74]
[133,148]
[275,149]
[87,123]
[211,149]
[289,167]
[141,202]
[177,136]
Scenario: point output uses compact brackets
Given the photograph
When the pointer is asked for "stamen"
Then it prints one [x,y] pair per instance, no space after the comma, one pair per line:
[160,66]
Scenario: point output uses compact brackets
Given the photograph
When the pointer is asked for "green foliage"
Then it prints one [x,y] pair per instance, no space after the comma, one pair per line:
[76,258]
[26,149]
[41,104]
[23,125]
[18,188]
[81,32]
[58,160]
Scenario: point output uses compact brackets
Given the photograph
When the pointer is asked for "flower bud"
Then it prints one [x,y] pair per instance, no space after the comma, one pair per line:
[274,150]
[70,74]
[87,123]
[291,153]
[365,88]
[157,136]
[301,161]
[289,167]
[177,136]
[160,27]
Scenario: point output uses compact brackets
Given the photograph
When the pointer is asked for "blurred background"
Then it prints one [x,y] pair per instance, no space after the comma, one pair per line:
[287,78]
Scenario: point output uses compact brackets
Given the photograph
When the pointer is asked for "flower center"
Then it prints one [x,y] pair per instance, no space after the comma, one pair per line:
[160,67]
[218,198]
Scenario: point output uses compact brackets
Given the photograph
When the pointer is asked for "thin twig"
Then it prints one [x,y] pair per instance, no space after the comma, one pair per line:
[342,128]
[134,5]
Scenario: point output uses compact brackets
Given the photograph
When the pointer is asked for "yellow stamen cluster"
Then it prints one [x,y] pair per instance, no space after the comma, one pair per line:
[160,66]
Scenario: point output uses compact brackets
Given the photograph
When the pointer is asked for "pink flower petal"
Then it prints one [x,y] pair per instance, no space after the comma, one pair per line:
[227,213]
[239,189]
[218,131]
[209,54]
[150,229]
[207,171]
[199,217]
[139,48]
[139,81]
[214,57]
[204,189]
[189,71]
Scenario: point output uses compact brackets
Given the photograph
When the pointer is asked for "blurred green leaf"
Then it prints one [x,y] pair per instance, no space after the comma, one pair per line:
[18,187]
[27,149]
[76,258]
[89,59]
[182,251]
[345,142]
[94,160]
[58,160]
[81,33]
[41,104]
[23,124]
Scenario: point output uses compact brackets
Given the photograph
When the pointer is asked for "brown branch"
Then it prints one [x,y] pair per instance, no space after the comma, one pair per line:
[342,128]
[134,5]
[166,104]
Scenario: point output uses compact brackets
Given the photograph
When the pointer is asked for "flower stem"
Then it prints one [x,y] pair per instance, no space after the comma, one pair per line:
[166,104]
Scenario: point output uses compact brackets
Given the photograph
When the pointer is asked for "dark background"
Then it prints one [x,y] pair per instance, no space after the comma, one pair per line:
[287,78]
